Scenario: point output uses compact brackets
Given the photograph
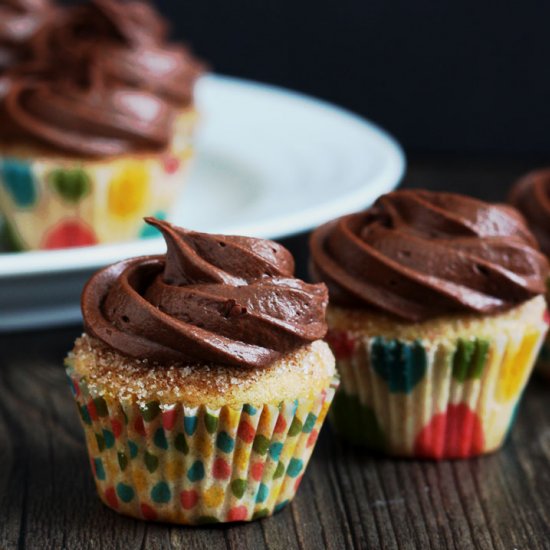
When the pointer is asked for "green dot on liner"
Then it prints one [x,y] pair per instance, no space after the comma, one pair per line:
[261,514]
[161,493]
[150,411]
[100,442]
[122,460]
[180,443]
[261,444]
[101,407]
[125,492]
[204,520]
[295,427]
[151,461]
[238,487]
[71,184]
[279,471]
[211,423]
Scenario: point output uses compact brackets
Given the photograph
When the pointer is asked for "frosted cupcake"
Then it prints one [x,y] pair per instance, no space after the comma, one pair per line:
[202,381]
[436,317]
[531,196]
[98,126]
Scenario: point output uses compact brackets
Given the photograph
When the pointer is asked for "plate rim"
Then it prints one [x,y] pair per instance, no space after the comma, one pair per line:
[34,263]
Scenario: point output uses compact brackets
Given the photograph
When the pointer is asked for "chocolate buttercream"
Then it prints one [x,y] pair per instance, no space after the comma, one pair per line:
[102,81]
[20,20]
[211,299]
[418,255]
[531,196]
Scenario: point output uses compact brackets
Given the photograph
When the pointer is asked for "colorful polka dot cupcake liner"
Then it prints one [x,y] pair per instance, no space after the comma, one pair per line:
[52,203]
[172,463]
[432,399]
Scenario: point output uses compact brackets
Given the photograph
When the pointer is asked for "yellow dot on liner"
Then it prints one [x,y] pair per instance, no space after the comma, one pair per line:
[213,496]
[205,445]
[129,189]
[141,483]
[515,364]
[174,470]
[242,456]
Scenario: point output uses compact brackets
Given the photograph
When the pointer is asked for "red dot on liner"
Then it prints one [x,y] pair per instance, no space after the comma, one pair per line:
[139,426]
[546,317]
[239,513]
[111,498]
[92,411]
[69,233]
[297,482]
[257,470]
[169,419]
[92,464]
[280,426]
[221,469]
[457,433]
[189,499]
[171,164]
[341,344]
[148,512]
[312,438]
[116,425]
[246,432]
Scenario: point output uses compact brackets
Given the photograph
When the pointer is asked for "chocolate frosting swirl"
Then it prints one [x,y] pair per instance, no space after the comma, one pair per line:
[417,255]
[211,299]
[20,20]
[102,81]
[531,196]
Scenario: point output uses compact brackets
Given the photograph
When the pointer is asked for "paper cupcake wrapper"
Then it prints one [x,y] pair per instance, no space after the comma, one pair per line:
[57,203]
[431,399]
[172,463]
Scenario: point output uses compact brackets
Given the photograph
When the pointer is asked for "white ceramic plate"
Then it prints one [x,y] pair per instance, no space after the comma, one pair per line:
[270,163]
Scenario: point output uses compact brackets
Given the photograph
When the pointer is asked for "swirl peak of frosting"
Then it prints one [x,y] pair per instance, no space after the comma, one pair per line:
[417,255]
[212,299]
[531,196]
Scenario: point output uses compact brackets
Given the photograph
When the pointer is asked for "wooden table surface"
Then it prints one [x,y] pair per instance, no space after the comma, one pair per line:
[348,499]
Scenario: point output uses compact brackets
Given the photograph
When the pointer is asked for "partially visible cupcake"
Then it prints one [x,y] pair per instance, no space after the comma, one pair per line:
[202,381]
[531,196]
[436,317]
[100,121]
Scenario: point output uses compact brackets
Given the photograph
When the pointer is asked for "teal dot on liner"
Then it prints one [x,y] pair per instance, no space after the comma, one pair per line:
[402,366]
[125,492]
[309,424]
[263,493]
[85,415]
[99,469]
[295,466]
[250,410]
[275,450]
[281,505]
[160,439]
[19,182]
[133,449]
[225,442]
[190,424]
[196,472]
[150,232]
[109,438]
[160,493]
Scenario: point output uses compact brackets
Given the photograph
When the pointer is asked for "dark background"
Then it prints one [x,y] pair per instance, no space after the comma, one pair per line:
[441,76]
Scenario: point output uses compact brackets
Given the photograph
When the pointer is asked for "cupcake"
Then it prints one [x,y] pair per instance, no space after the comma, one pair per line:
[99,120]
[436,316]
[531,196]
[202,381]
